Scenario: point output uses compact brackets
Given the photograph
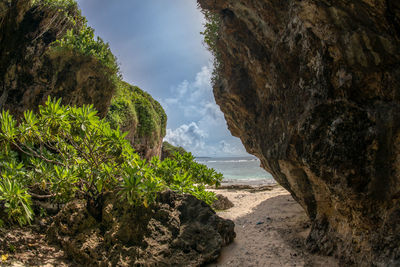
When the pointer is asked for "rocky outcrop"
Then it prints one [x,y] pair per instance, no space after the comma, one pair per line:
[33,67]
[136,112]
[312,88]
[30,70]
[222,203]
[169,150]
[180,230]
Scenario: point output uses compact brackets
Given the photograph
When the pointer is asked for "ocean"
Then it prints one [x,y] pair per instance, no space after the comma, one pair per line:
[239,170]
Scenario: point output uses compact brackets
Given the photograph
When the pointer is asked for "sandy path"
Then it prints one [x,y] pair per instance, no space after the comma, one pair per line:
[271,228]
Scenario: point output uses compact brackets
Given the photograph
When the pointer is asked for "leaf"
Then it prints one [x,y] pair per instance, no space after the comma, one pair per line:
[4,257]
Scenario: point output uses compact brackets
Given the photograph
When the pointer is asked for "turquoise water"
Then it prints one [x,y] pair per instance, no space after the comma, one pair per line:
[239,170]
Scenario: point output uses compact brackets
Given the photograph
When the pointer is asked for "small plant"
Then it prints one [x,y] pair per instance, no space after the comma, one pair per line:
[16,201]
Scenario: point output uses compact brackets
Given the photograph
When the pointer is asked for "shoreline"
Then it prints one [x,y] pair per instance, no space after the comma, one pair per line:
[251,182]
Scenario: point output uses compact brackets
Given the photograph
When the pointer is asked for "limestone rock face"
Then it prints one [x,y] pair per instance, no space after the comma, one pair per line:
[30,71]
[312,88]
[180,230]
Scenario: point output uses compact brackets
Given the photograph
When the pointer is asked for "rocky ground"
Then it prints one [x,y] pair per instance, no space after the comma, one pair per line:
[28,247]
[178,230]
[270,230]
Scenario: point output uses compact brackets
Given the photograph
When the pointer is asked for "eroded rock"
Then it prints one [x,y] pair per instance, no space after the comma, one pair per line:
[222,203]
[179,231]
[30,71]
[312,88]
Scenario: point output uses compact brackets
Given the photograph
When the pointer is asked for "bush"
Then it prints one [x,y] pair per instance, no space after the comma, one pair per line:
[82,41]
[69,152]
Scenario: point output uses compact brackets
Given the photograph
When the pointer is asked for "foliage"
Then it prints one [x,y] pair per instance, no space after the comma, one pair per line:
[69,152]
[169,150]
[68,8]
[183,174]
[17,201]
[79,37]
[83,42]
[133,108]
[211,37]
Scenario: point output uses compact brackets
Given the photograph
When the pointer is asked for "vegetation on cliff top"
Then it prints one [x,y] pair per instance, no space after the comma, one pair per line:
[131,108]
[169,151]
[80,39]
[135,110]
[211,37]
[66,152]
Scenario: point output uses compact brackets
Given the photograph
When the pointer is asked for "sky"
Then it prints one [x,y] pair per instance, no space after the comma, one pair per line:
[160,49]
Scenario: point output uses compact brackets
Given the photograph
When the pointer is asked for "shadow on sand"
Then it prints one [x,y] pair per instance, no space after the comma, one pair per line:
[272,234]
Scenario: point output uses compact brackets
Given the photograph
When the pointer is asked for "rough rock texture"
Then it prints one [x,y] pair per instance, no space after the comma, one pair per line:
[222,203]
[312,88]
[179,231]
[30,71]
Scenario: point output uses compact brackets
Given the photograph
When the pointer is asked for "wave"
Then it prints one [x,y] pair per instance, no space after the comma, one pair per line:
[228,161]
[250,181]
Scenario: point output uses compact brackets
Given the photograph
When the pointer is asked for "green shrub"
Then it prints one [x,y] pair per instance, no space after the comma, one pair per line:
[69,152]
[82,41]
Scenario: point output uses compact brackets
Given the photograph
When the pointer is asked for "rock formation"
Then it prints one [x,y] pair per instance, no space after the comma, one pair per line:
[312,88]
[137,113]
[222,203]
[169,150]
[30,71]
[33,68]
[178,231]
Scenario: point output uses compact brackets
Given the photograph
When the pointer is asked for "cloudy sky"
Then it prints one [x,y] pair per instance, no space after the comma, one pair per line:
[160,49]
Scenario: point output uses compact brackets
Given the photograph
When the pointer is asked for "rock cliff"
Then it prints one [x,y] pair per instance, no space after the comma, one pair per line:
[137,113]
[46,49]
[30,70]
[312,88]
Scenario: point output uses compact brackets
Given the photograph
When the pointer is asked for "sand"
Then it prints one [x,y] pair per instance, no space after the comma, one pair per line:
[271,229]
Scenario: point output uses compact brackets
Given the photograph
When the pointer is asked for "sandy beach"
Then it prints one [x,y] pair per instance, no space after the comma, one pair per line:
[271,229]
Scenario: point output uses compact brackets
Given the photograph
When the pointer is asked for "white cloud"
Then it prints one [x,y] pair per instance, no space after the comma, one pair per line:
[201,87]
[233,148]
[205,132]
[190,137]
[171,101]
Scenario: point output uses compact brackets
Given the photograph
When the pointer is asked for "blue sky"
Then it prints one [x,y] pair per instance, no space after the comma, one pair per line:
[159,48]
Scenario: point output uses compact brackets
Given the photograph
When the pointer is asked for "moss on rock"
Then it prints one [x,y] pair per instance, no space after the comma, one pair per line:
[137,113]
[169,150]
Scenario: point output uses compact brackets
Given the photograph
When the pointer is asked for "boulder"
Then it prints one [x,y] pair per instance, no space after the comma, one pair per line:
[179,230]
[222,203]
